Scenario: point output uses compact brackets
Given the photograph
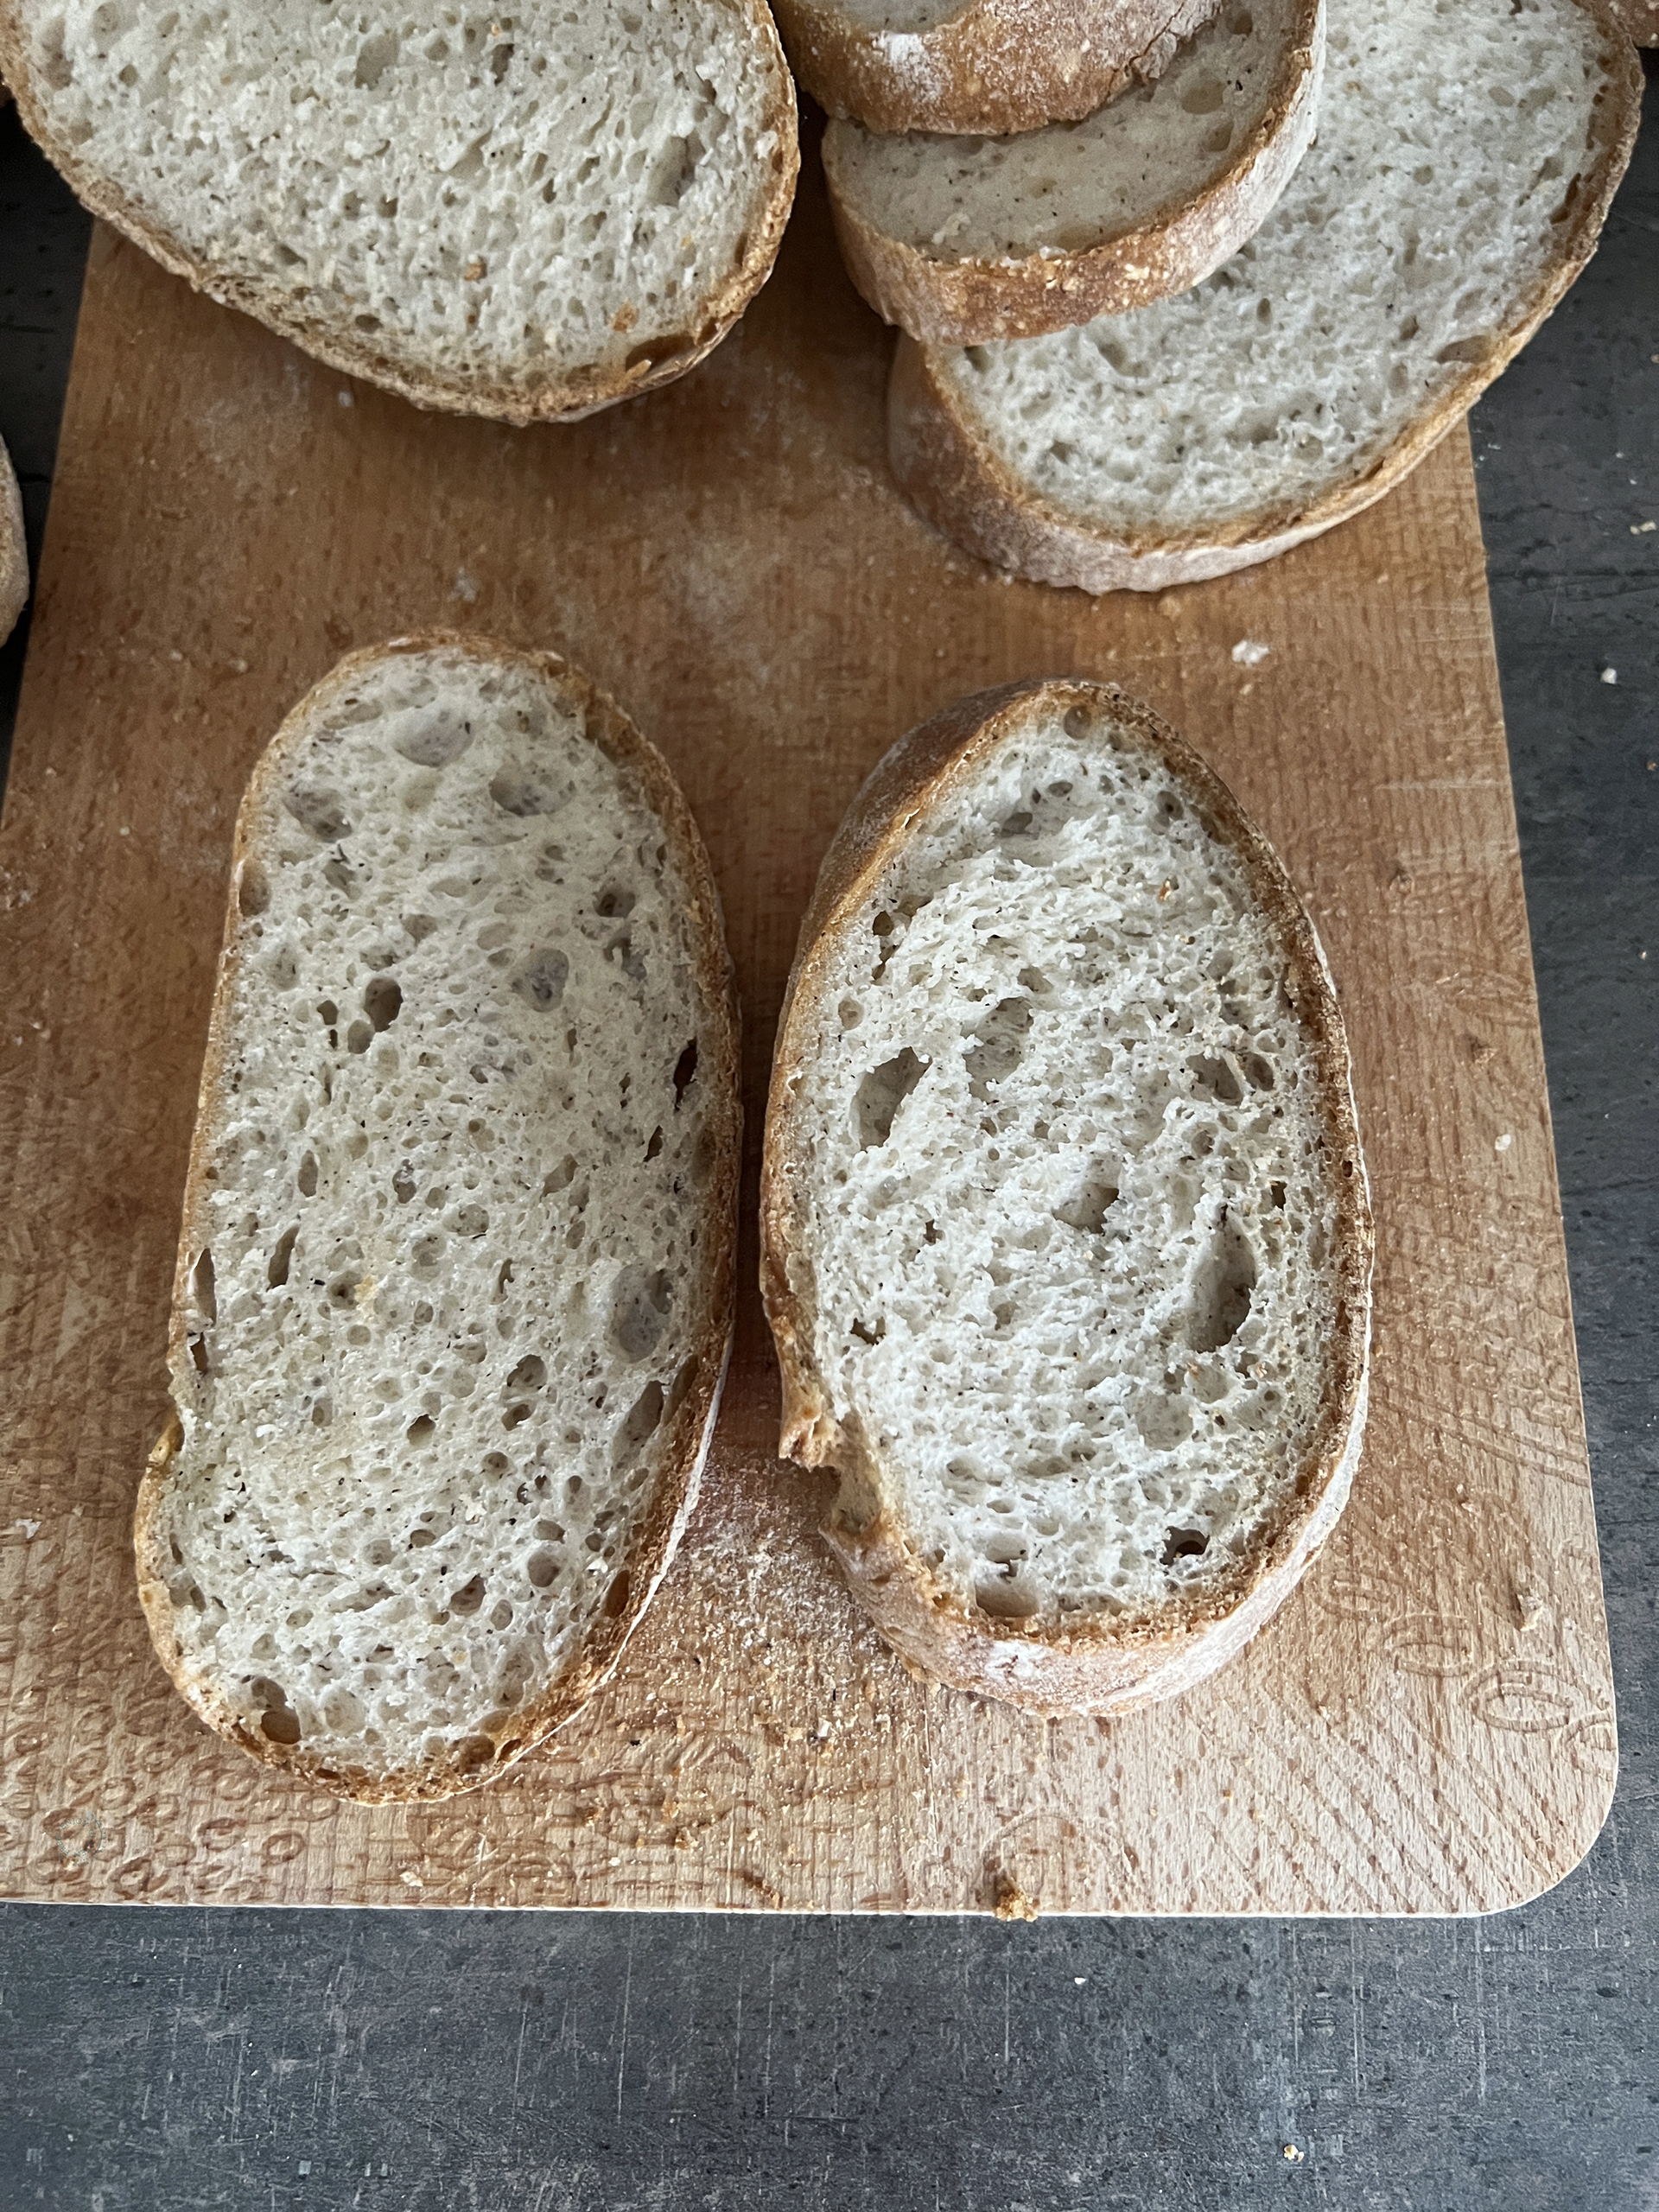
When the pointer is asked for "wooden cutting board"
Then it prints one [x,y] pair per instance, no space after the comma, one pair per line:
[1427,1727]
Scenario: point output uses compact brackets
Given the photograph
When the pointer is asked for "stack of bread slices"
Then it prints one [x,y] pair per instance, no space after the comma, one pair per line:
[1182,285]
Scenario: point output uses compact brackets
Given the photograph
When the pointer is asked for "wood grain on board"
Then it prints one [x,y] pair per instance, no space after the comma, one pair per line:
[1427,1727]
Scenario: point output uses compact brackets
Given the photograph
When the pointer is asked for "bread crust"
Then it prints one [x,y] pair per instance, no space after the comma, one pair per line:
[948,470]
[339,345]
[1641,20]
[14,549]
[945,300]
[994,66]
[1101,1666]
[687,1432]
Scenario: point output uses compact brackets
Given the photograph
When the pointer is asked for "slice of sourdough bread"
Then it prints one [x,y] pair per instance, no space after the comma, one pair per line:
[1066,1241]
[14,549]
[527,216]
[980,65]
[965,240]
[1465,159]
[454,1286]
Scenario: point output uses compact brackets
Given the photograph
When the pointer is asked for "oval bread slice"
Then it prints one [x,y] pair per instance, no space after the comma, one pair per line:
[961,241]
[1067,1238]
[529,216]
[980,65]
[453,1297]
[1466,157]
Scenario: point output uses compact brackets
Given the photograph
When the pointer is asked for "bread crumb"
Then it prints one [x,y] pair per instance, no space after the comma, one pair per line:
[1010,1901]
[1250,653]
[1292,2154]
[1503,1143]
[1610,675]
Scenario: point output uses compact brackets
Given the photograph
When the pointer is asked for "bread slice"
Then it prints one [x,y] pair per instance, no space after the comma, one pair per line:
[980,65]
[1066,1240]
[529,216]
[964,240]
[14,549]
[453,1297]
[1465,159]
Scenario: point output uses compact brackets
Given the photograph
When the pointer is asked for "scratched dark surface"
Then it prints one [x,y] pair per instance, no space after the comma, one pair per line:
[180,2059]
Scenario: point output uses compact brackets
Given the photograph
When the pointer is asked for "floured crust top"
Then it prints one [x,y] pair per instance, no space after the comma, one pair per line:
[988,66]
[966,241]
[977,1508]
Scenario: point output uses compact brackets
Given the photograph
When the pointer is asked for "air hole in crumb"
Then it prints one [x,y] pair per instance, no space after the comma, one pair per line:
[540,982]
[420,926]
[276,1272]
[530,1374]
[469,1597]
[656,1145]
[252,889]
[523,791]
[323,812]
[1088,1211]
[515,1416]
[613,903]
[1214,1078]
[543,1568]
[1276,1192]
[421,1431]
[684,1069]
[402,1183]
[1221,1299]
[1184,1543]
[435,743]
[560,1178]
[880,1095]
[1258,1072]
[279,1720]
[639,1304]
[383,1001]
[1016,824]
[307,1177]
[472,1751]
[641,1424]
[359,1037]
[202,1287]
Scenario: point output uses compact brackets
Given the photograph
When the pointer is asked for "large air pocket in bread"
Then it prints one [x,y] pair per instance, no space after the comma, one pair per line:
[454,1286]
[1066,1239]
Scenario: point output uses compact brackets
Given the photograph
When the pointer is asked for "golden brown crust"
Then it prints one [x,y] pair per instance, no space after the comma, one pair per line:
[14,549]
[945,300]
[993,67]
[341,347]
[688,1431]
[950,473]
[1103,1666]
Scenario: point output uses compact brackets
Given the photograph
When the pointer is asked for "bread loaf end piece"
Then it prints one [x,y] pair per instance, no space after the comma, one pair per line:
[454,1298]
[1066,1240]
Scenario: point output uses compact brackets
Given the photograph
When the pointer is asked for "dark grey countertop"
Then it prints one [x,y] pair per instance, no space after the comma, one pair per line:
[161,2061]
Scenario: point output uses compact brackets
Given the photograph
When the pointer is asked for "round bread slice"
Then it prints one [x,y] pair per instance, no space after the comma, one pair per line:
[14,549]
[1067,1238]
[454,1287]
[961,241]
[1465,160]
[527,216]
[980,65]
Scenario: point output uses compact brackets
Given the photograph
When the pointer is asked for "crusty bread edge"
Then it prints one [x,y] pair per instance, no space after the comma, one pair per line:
[992,67]
[341,348]
[944,300]
[14,549]
[949,472]
[1102,1667]
[684,1440]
